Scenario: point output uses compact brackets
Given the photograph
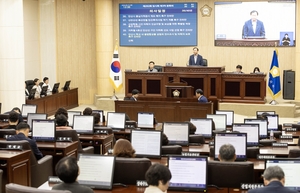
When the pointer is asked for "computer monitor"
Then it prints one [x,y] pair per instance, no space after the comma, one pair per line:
[290,167]
[31,116]
[83,124]
[67,85]
[252,131]
[96,171]
[219,120]
[44,91]
[147,143]
[229,116]
[43,130]
[272,122]
[116,120]
[188,173]
[28,109]
[145,120]
[32,93]
[100,113]
[259,113]
[71,116]
[177,133]
[263,126]
[204,126]
[55,88]
[238,140]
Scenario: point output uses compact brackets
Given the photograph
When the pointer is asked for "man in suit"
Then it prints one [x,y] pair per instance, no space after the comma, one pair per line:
[22,134]
[196,59]
[227,153]
[67,170]
[238,69]
[135,95]
[201,97]
[151,67]
[274,182]
[253,27]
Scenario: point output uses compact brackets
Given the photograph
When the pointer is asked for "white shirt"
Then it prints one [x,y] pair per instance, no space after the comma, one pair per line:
[254,26]
[153,189]
[49,87]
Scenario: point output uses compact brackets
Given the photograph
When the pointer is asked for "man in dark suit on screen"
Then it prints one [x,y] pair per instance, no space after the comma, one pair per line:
[274,180]
[254,27]
[196,59]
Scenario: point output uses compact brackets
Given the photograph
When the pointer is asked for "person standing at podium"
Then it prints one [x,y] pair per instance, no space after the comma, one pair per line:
[196,59]
[201,97]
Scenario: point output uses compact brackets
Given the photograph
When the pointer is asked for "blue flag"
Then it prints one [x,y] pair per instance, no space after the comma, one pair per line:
[274,77]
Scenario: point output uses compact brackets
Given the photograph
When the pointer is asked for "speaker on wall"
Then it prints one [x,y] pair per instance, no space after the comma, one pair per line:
[289,84]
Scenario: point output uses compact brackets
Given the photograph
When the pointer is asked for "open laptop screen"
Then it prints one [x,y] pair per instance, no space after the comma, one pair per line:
[204,126]
[219,120]
[116,120]
[263,126]
[229,116]
[71,116]
[272,122]
[238,140]
[177,133]
[252,131]
[31,116]
[145,119]
[100,113]
[43,130]
[28,109]
[96,171]
[188,173]
[84,124]
[291,168]
[147,143]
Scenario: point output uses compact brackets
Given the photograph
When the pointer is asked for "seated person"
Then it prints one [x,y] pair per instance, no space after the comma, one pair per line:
[274,181]
[227,153]
[201,97]
[123,148]
[87,111]
[256,70]
[63,111]
[46,83]
[151,67]
[13,120]
[96,119]
[37,87]
[135,94]
[17,110]
[158,177]
[22,134]
[62,122]
[238,69]
[164,139]
[67,171]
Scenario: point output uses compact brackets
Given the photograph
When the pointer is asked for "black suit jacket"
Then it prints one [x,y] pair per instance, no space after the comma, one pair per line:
[273,187]
[38,154]
[199,61]
[133,99]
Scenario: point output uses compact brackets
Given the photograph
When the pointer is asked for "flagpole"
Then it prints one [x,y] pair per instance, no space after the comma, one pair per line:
[114,96]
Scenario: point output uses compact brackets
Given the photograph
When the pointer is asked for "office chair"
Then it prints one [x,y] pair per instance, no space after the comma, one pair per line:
[129,170]
[159,68]
[199,139]
[74,136]
[126,98]
[294,153]
[29,84]
[7,132]
[204,62]
[16,188]
[40,169]
[230,174]
[171,149]
[1,174]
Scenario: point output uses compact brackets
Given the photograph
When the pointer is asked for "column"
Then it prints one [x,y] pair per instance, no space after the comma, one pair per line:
[12,85]
[104,45]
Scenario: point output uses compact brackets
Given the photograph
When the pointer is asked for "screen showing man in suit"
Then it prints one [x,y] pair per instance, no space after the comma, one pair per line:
[196,59]
[254,27]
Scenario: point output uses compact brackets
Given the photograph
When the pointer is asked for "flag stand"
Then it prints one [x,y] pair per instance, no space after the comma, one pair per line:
[273,102]
[114,97]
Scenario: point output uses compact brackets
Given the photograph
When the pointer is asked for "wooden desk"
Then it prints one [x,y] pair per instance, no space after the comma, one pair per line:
[16,167]
[3,125]
[49,104]
[101,143]
[165,110]
[278,151]
[295,134]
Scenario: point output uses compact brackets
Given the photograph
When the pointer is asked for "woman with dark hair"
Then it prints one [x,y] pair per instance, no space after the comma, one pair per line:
[123,148]
[286,40]
[37,87]
[158,177]
[256,70]
[87,111]
[63,111]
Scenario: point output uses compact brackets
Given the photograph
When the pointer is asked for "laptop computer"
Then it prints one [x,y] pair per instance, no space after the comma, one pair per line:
[229,116]
[31,116]
[177,133]
[83,124]
[96,171]
[219,120]
[43,130]
[238,140]
[252,131]
[28,109]
[71,116]
[263,126]
[145,120]
[203,126]
[147,143]
[188,173]
[116,121]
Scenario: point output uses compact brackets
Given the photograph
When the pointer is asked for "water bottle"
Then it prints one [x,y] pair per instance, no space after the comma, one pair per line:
[271,135]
